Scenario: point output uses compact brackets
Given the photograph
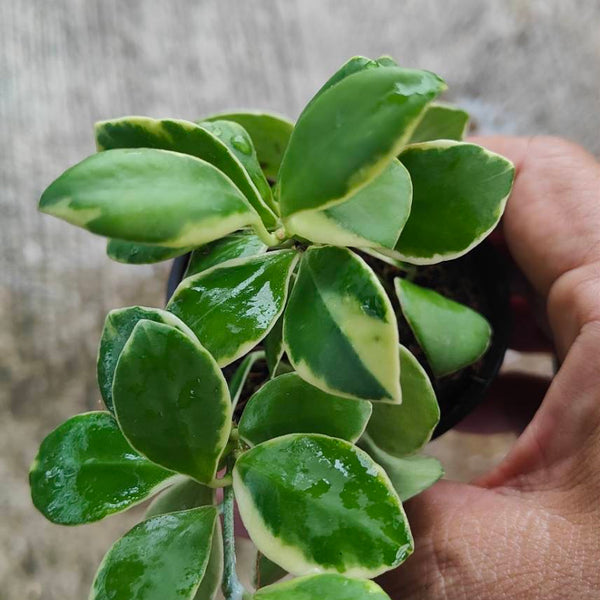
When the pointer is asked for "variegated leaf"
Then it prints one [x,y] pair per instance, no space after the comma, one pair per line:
[172,401]
[232,306]
[340,329]
[357,524]
[86,470]
[189,138]
[133,253]
[349,135]
[151,196]
[441,121]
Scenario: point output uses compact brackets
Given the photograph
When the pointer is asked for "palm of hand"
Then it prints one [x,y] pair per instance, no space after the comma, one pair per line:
[531,528]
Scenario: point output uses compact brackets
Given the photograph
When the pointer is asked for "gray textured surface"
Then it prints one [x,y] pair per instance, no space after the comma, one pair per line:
[519,66]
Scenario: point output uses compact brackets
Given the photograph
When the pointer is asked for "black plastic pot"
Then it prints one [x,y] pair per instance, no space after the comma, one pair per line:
[479,280]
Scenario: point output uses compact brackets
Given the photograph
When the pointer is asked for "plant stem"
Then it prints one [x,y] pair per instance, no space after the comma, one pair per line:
[231,586]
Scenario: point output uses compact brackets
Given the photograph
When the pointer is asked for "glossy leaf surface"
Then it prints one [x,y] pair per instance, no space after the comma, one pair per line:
[132,253]
[441,122]
[288,404]
[235,245]
[232,306]
[350,133]
[321,587]
[451,334]
[188,138]
[240,144]
[86,470]
[162,558]
[373,216]
[313,503]
[402,429]
[270,134]
[172,401]
[118,326]
[410,475]
[149,196]
[183,495]
[459,194]
[340,329]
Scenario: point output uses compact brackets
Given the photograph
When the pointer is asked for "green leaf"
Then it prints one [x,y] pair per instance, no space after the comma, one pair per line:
[161,558]
[236,384]
[172,401]
[373,216]
[270,134]
[141,254]
[340,329]
[321,587]
[150,196]
[266,571]
[313,503]
[235,245]
[451,334]
[86,470]
[402,429]
[273,344]
[441,122]
[240,143]
[183,495]
[459,194]
[287,404]
[350,133]
[410,475]
[118,326]
[188,138]
[232,306]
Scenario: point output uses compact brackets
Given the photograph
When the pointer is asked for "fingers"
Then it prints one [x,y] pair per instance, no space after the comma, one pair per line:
[552,220]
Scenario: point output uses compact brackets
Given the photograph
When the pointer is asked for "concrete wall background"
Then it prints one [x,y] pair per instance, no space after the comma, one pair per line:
[520,66]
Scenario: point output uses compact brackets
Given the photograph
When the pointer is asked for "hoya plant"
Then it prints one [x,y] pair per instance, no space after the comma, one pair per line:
[274,379]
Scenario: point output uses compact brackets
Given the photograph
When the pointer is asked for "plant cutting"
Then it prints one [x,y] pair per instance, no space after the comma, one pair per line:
[278,377]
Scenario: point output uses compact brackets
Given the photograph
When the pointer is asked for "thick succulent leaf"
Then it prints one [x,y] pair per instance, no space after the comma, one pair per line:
[441,122]
[161,558]
[237,381]
[273,344]
[118,326]
[410,475]
[288,404]
[350,133]
[318,587]
[402,429]
[373,216]
[86,470]
[451,334]
[150,196]
[238,140]
[459,194]
[172,401]
[313,503]
[133,253]
[270,134]
[232,306]
[183,495]
[188,138]
[386,61]
[340,329]
[235,245]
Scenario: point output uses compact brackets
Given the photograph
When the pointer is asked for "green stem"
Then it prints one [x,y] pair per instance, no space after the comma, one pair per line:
[231,586]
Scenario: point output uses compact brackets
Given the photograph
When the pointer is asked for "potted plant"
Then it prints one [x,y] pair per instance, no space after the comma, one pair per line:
[307,249]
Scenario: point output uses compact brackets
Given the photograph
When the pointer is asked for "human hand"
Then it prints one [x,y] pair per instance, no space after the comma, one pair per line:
[530,528]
